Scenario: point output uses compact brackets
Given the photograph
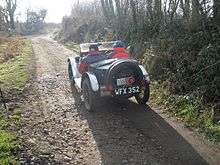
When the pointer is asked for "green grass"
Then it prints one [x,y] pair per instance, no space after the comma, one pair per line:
[8,145]
[2,46]
[4,123]
[14,74]
[72,46]
[187,108]
[10,119]
[69,44]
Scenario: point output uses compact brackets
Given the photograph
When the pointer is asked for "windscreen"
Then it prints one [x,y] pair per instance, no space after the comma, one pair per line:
[102,46]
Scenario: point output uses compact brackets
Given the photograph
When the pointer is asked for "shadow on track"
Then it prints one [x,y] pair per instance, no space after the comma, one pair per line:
[128,133]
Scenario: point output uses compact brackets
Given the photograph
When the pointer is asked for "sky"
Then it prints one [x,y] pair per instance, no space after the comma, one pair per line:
[56,9]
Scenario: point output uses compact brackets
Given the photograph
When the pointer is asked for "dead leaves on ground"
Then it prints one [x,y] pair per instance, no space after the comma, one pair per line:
[10,48]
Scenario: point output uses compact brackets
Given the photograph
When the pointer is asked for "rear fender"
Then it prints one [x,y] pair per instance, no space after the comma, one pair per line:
[74,66]
[145,74]
[93,80]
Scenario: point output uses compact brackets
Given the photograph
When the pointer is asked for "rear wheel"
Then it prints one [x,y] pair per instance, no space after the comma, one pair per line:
[70,72]
[88,95]
[143,96]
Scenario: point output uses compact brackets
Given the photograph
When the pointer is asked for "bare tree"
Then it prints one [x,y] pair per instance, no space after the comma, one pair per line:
[157,9]
[133,11]
[35,20]
[150,8]
[134,25]
[3,17]
[10,8]
[185,5]
[196,13]
[173,8]
[104,9]
[216,11]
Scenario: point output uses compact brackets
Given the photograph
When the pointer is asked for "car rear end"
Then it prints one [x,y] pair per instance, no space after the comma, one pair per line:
[123,78]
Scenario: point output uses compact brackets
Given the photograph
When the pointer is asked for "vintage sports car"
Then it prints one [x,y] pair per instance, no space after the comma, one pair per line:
[110,77]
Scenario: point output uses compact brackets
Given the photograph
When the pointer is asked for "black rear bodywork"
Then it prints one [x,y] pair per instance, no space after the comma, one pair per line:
[108,71]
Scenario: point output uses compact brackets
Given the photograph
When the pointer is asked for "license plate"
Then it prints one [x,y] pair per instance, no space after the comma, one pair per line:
[127,90]
[122,81]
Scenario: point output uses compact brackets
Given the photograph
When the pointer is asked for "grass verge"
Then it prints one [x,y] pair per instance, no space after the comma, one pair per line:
[8,145]
[72,46]
[69,44]
[188,109]
[14,75]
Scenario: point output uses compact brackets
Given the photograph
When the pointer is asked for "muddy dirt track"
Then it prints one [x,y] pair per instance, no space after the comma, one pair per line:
[58,129]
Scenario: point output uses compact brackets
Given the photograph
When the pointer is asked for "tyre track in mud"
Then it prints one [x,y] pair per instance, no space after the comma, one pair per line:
[58,130]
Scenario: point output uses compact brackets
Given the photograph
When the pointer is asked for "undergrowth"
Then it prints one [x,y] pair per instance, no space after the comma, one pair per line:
[10,48]
[69,44]
[187,108]
[72,46]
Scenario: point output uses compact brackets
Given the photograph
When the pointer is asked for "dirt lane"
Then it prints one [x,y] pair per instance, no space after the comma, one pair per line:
[58,129]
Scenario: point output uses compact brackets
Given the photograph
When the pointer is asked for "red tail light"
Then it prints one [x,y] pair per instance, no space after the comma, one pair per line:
[144,83]
[131,80]
[109,88]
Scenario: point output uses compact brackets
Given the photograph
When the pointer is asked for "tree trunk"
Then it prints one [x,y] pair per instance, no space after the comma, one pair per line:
[174,9]
[157,15]
[157,9]
[134,24]
[119,16]
[105,13]
[111,8]
[187,9]
[12,21]
[150,9]
[216,11]
[11,6]
[185,5]
[134,14]
[195,13]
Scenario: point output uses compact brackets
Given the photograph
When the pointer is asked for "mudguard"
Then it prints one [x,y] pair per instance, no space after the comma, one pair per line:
[145,74]
[93,80]
[75,71]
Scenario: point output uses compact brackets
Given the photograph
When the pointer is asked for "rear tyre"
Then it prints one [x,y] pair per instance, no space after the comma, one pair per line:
[70,72]
[88,95]
[143,97]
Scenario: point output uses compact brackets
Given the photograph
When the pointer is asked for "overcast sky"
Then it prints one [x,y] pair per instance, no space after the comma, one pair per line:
[56,9]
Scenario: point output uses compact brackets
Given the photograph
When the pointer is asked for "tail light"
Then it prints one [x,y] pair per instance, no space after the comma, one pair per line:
[144,83]
[109,88]
[131,80]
